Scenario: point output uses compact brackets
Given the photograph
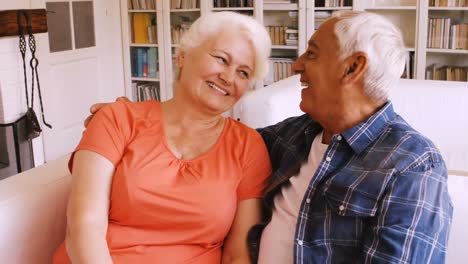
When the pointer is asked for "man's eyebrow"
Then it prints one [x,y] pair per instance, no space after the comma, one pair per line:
[313,44]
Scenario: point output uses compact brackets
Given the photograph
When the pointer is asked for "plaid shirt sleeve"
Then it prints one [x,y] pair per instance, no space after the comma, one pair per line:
[413,219]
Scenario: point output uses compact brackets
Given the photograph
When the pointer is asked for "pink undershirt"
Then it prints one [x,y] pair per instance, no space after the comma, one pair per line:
[277,243]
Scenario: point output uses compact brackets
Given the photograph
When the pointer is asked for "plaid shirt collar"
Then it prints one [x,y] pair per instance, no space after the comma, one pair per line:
[358,137]
[362,135]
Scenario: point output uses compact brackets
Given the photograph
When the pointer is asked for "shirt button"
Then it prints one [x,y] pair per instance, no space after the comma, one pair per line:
[338,137]
[300,242]
[341,207]
[328,159]
[308,200]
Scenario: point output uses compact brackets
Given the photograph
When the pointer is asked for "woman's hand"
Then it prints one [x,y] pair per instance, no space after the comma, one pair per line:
[96,107]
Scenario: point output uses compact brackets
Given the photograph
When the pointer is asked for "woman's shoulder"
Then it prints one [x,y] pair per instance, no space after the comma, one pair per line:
[134,110]
[242,133]
[241,128]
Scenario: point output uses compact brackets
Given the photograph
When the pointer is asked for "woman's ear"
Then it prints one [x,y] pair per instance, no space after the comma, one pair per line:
[180,59]
[355,66]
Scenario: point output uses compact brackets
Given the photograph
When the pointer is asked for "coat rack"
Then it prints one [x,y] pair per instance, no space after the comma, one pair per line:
[9,21]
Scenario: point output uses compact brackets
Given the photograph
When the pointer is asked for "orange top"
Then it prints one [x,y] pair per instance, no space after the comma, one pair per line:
[163,209]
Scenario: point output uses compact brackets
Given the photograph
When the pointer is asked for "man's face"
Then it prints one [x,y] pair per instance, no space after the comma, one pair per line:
[321,72]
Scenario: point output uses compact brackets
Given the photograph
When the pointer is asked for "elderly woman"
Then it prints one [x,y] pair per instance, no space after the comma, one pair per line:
[175,182]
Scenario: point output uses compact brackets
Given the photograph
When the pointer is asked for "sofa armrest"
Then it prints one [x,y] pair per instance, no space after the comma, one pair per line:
[33,213]
[457,185]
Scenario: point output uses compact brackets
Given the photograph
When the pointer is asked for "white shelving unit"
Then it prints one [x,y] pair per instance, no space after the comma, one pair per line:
[438,56]
[316,14]
[127,14]
[411,16]
[290,19]
[172,18]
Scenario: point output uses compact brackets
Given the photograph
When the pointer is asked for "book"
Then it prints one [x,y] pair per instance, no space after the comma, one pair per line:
[134,62]
[145,63]
[153,63]
[141,22]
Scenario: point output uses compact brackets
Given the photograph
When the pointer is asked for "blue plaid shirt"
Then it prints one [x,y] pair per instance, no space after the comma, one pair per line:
[379,194]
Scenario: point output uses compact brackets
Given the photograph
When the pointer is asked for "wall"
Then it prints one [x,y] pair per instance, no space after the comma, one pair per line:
[11,72]
[10,84]
[12,98]
[109,85]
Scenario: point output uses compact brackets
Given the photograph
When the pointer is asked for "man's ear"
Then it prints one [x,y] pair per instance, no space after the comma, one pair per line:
[354,67]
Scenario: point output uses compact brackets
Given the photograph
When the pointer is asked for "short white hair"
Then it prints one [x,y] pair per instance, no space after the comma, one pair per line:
[383,43]
[208,25]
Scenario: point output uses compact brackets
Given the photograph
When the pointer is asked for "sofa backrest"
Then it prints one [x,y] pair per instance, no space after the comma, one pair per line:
[32,213]
[437,109]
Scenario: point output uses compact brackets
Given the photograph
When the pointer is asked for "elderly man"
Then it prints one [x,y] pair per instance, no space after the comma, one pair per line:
[352,181]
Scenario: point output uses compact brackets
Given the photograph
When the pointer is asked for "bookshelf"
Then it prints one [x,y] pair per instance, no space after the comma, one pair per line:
[415,19]
[281,19]
[178,15]
[292,22]
[144,70]
[319,10]
[242,6]
[446,46]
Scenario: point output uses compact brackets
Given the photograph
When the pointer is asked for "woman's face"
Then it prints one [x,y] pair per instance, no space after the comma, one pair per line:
[217,73]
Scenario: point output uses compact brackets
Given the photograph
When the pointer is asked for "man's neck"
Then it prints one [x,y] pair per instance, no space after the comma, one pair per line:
[348,116]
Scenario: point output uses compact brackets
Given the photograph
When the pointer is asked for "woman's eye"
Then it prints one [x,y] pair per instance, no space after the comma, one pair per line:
[221,59]
[244,74]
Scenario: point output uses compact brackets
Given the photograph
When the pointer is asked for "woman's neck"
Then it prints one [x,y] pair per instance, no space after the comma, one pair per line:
[185,114]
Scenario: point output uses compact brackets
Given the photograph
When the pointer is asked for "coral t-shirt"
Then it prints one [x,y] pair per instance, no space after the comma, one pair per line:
[164,209]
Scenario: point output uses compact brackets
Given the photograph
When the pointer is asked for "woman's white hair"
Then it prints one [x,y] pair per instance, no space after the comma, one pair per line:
[380,40]
[212,23]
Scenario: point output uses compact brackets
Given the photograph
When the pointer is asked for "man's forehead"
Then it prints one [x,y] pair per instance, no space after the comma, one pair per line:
[325,33]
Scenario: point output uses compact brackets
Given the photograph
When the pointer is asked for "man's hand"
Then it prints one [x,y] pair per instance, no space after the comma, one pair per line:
[95,108]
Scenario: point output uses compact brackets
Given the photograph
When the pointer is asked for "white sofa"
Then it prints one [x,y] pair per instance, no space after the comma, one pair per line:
[33,203]
[437,109]
[32,213]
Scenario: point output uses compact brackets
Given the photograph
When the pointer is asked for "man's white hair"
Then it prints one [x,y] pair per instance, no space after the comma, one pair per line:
[208,25]
[381,40]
